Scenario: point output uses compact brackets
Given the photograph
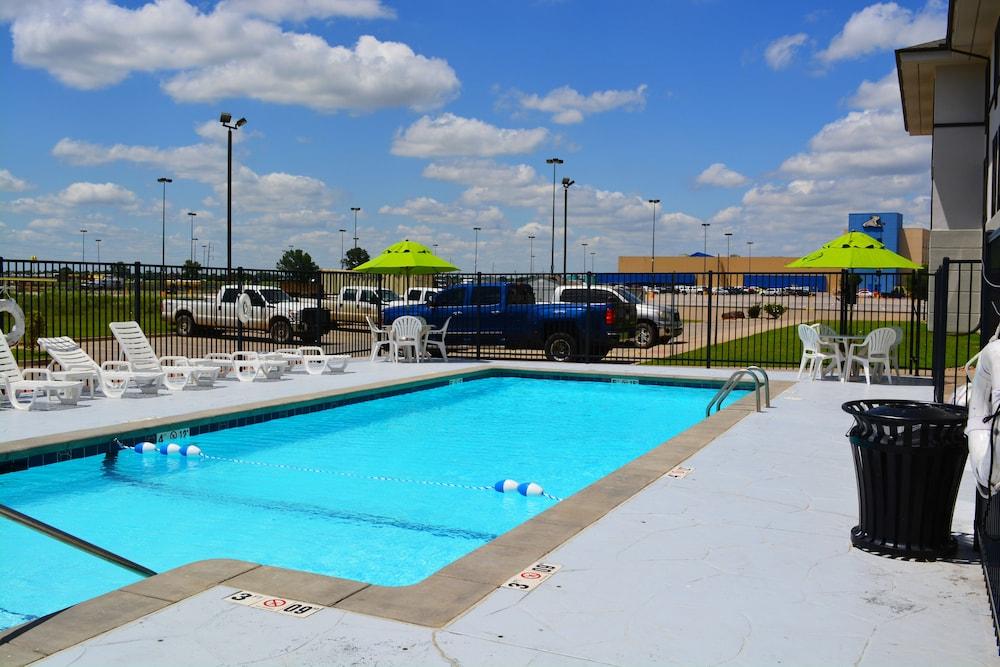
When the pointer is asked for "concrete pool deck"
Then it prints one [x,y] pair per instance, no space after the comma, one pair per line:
[746,560]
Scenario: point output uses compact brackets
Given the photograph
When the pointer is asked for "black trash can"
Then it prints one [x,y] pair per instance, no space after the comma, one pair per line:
[908,457]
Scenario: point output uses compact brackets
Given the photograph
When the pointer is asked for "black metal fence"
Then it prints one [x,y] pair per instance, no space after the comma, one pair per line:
[709,319]
[956,324]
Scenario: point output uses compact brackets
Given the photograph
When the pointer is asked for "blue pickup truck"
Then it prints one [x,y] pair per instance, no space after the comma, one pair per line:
[505,314]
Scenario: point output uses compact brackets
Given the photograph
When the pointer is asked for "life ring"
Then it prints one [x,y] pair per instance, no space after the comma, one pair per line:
[17,331]
[244,309]
[983,399]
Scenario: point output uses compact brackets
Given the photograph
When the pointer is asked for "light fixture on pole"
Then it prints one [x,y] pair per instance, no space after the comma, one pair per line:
[652,249]
[531,253]
[98,243]
[191,215]
[749,254]
[552,259]
[225,119]
[566,182]
[704,251]
[593,257]
[83,245]
[342,232]
[475,261]
[355,209]
[584,256]
[163,222]
[729,253]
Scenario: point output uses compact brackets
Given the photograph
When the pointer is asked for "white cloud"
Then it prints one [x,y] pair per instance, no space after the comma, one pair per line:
[728,214]
[11,183]
[780,52]
[720,175]
[74,196]
[430,210]
[450,135]
[882,94]
[568,106]
[281,10]
[883,26]
[94,44]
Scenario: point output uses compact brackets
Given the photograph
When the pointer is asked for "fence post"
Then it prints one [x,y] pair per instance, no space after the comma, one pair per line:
[477,294]
[586,329]
[708,324]
[137,292]
[239,322]
[940,334]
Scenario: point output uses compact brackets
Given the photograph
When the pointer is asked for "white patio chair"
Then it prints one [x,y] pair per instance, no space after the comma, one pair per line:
[875,350]
[894,353]
[222,360]
[14,381]
[380,338]
[815,353]
[250,366]
[112,377]
[407,332]
[317,362]
[179,371]
[435,338]
[291,355]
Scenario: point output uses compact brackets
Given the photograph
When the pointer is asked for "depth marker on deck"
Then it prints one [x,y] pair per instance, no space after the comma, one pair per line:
[679,472]
[528,579]
[283,606]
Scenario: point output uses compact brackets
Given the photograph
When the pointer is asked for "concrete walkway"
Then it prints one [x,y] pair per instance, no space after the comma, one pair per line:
[744,561]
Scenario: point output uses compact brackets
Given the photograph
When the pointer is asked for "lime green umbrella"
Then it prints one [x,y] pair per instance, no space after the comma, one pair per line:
[407,258]
[853,250]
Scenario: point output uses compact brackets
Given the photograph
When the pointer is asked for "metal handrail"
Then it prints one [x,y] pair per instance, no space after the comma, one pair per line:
[730,384]
[74,541]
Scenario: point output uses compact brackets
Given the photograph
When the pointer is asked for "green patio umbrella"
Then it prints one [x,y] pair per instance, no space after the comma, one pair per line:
[853,250]
[407,258]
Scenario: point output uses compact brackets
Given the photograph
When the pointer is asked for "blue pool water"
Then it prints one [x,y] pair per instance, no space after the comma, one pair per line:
[385,491]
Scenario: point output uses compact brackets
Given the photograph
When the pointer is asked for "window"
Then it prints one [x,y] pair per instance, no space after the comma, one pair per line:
[413,295]
[581,296]
[517,294]
[255,298]
[350,295]
[485,296]
[451,297]
[368,296]
[230,294]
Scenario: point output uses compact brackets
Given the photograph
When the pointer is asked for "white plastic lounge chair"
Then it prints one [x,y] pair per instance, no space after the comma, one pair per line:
[407,332]
[873,351]
[222,360]
[815,353]
[317,362]
[380,338]
[112,377]
[250,366]
[291,355]
[14,381]
[179,371]
[435,338]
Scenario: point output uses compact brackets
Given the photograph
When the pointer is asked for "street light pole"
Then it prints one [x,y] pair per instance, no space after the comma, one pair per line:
[163,222]
[191,215]
[355,209]
[475,261]
[584,256]
[749,254]
[593,256]
[204,254]
[531,253]
[566,182]
[342,232]
[729,255]
[704,251]
[552,259]
[98,242]
[83,245]
[652,249]
[225,119]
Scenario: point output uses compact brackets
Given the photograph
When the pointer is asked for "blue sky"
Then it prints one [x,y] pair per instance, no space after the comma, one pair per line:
[770,120]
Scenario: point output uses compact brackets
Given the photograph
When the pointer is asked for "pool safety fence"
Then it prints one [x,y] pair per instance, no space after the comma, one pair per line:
[710,319]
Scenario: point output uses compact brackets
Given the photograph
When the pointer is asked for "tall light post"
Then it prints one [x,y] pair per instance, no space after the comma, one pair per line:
[204,254]
[584,256]
[83,245]
[475,261]
[531,253]
[225,119]
[97,242]
[652,249]
[729,255]
[191,215]
[704,251]
[749,254]
[342,232]
[593,258]
[552,259]
[566,182]
[163,222]
[355,209]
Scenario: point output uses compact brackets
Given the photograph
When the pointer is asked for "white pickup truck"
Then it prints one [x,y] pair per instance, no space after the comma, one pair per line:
[654,324]
[414,295]
[353,302]
[271,311]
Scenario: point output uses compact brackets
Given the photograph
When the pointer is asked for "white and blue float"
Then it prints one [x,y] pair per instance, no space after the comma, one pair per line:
[506,485]
[524,488]
[167,449]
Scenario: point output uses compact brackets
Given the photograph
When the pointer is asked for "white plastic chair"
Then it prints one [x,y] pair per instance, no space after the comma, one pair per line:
[14,381]
[875,350]
[380,338]
[894,353]
[407,332]
[112,377]
[250,366]
[435,338]
[317,362]
[179,371]
[815,353]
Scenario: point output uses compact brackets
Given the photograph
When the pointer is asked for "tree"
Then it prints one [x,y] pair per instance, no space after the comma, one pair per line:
[355,257]
[190,269]
[297,261]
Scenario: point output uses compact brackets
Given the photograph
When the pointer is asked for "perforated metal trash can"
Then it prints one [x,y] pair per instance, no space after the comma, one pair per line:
[908,457]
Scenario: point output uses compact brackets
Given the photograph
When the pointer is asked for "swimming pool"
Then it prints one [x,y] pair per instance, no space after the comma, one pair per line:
[384,491]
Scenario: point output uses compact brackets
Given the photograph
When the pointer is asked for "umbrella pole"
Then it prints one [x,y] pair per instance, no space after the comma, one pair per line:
[844,287]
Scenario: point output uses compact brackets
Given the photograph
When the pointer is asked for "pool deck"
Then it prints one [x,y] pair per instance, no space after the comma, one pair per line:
[746,560]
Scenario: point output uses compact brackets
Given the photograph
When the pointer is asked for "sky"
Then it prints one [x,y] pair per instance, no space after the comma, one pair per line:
[771,120]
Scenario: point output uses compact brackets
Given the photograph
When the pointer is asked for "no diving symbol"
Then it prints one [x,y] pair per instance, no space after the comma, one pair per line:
[275,602]
[531,575]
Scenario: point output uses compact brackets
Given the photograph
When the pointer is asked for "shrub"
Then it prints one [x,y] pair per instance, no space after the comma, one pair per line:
[753,312]
[775,310]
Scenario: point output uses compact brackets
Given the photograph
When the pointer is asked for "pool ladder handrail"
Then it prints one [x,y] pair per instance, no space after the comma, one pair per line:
[760,379]
[74,541]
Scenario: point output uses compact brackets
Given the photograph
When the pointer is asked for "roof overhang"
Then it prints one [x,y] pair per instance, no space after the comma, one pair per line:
[968,41]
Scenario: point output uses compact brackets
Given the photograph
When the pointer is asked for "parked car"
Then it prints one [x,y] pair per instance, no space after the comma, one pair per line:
[654,324]
[414,295]
[865,292]
[690,289]
[506,314]
[271,311]
[354,302]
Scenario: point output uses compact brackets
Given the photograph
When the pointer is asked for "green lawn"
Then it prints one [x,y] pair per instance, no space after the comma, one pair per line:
[781,347]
